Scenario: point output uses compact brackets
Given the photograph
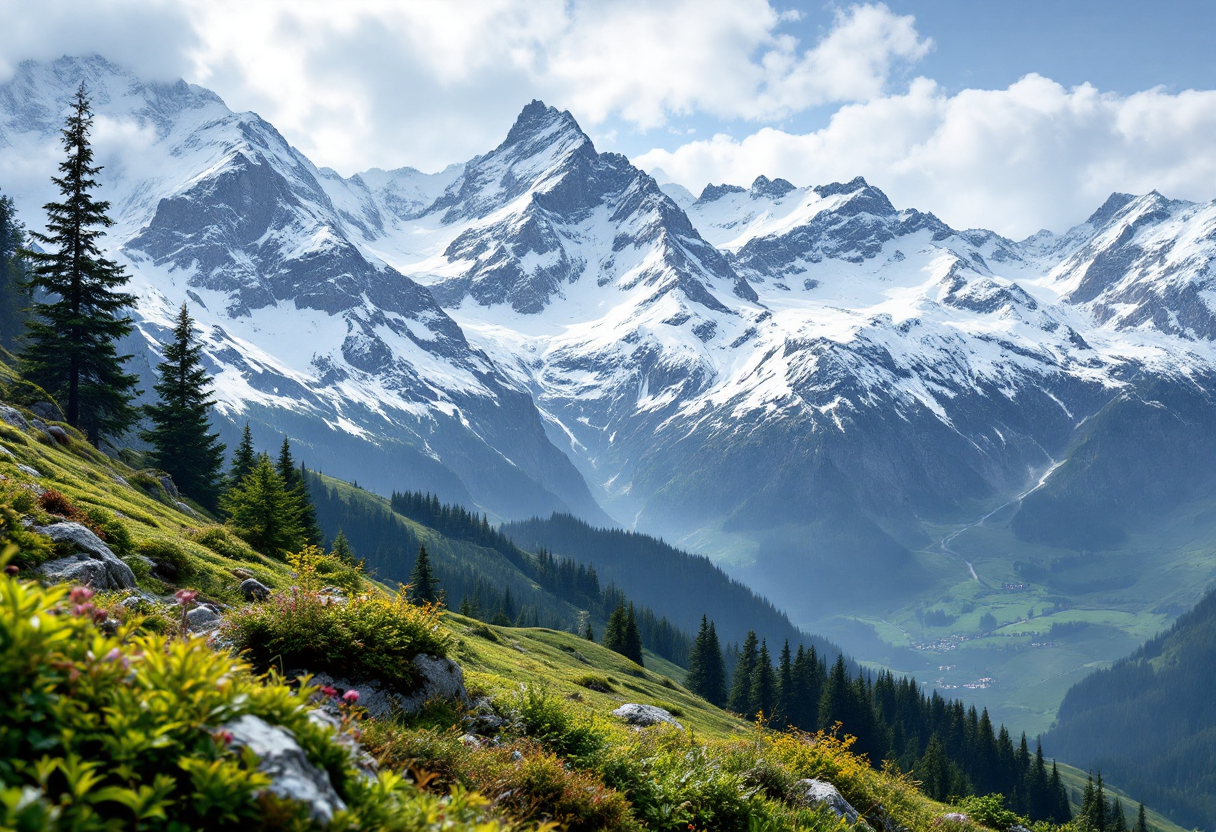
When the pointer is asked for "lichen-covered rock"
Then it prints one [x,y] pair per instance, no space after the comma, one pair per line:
[203,619]
[254,590]
[114,573]
[33,472]
[166,482]
[58,434]
[821,792]
[645,715]
[47,411]
[13,417]
[293,777]
[81,570]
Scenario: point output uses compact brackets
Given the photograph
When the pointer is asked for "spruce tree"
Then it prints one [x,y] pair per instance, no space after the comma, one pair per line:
[588,633]
[263,512]
[70,342]
[633,640]
[424,586]
[296,482]
[741,684]
[182,445]
[706,675]
[1141,820]
[785,687]
[614,632]
[243,459]
[834,701]
[14,272]
[763,691]
[341,548]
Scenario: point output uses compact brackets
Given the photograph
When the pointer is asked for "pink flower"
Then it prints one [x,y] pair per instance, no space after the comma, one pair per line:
[80,594]
[11,569]
[100,615]
[351,697]
[328,691]
[185,596]
[224,737]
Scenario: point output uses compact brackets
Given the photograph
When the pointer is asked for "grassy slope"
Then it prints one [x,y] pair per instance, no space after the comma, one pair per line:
[496,663]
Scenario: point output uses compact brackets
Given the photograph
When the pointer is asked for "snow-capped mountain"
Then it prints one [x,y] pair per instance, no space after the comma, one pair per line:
[800,376]
[307,333]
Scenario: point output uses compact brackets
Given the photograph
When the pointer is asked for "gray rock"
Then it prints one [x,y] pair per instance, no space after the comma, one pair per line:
[956,817]
[166,482]
[33,472]
[47,411]
[438,679]
[821,792]
[254,590]
[645,715]
[58,434]
[13,417]
[202,619]
[81,570]
[6,452]
[117,574]
[41,427]
[293,777]
[185,509]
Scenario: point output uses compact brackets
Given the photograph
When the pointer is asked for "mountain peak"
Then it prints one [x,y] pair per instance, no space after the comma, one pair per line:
[538,118]
[1115,203]
[771,188]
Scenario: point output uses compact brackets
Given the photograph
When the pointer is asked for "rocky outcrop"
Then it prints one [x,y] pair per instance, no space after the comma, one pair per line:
[254,590]
[645,715]
[439,679]
[822,793]
[280,757]
[94,564]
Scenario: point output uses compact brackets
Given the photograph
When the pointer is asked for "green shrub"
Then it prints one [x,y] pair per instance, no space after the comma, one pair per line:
[30,548]
[590,681]
[367,638]
[172,562]
[536,714]
[990,811]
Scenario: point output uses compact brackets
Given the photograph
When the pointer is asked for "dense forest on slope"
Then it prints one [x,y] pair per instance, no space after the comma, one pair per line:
[650,571]
[1149,722]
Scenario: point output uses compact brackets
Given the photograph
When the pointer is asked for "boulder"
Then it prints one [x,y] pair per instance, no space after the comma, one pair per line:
[292,776]
[58,434]
[821,792]
[115,574]
[254,590]
[185,509]
[6,452]
[956,817]
[81,570]
[645,715]
[166,482]
[13,417]
[437,679]
[33,472]
[47,411]
[203,620]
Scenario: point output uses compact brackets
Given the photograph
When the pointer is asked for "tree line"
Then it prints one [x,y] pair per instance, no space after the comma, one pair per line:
[953,750]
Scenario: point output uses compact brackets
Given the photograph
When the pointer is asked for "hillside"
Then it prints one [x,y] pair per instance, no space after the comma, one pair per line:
[1149,721]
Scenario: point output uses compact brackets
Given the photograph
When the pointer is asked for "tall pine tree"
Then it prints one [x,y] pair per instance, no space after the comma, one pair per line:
[263,512]
[741,684]
[706,672]
[14,294]
[243,458]
[181,442]
[633,640]
[424,586]
[296,483]
[70,344]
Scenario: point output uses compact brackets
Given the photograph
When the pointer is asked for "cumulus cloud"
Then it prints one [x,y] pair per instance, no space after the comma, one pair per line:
[1014,160]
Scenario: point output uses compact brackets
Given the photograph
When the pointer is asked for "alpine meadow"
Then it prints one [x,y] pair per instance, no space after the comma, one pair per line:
[607,416]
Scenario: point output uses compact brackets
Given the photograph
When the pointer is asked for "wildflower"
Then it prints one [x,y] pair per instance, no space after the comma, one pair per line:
[351,697]
[223,737]
[113,655]
[185,596]
[80,594]
[329,691]
[11,569]
[100,615]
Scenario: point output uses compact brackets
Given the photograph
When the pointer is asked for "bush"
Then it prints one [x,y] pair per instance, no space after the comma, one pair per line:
[172,562]
[53,502]
[369,638]
[990,811]
[599,684]
[536,714]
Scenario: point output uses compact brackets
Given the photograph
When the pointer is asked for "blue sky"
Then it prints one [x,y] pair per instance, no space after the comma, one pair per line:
[1007,115]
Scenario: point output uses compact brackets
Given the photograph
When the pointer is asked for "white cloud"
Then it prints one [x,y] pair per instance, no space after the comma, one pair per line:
[1014,160]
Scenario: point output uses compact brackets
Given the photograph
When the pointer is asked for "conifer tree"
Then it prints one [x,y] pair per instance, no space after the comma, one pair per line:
[182,445]
[785,687]
[263,512]
[706,675]
[243,458]
[588,633]
[834,701]
[1141,820]
[614,632]
[70,348]
[934,770]
[741,684]
[14,272]
[424,586]
[296,483]
[1118,820]
[341,548]
[633,640]
[763,691]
